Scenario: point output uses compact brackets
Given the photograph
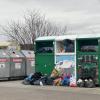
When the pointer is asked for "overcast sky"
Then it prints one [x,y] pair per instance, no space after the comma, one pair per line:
[79,15]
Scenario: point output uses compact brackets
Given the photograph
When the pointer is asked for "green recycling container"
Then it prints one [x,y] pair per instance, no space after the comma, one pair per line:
[44,56]
[88,59]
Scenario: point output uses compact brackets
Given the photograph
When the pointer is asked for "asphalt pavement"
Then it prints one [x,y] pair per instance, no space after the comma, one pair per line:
[15,90]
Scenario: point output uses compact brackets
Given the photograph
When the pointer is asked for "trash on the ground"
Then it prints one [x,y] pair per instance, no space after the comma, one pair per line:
[32,78]
[89,83]
[57,78]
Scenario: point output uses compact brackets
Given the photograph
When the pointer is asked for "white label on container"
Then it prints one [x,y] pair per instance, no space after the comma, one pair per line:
[17,65]
[2,65]
[32,63]
[4,53]
[17,56]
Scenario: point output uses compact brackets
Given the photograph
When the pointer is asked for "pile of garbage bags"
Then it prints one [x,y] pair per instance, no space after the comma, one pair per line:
[57,78]
[88,83]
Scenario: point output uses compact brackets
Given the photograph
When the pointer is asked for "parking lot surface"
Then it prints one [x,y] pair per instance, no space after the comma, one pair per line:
[15,90]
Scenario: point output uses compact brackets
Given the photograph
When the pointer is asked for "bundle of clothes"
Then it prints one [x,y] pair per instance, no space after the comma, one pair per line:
[57,78]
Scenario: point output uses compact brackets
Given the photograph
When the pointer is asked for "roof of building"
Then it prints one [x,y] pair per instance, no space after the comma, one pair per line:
[70,36]
[88,36]
[46,38]
[57,37]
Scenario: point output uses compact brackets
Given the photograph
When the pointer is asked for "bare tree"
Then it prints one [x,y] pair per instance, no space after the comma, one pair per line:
[34,25]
